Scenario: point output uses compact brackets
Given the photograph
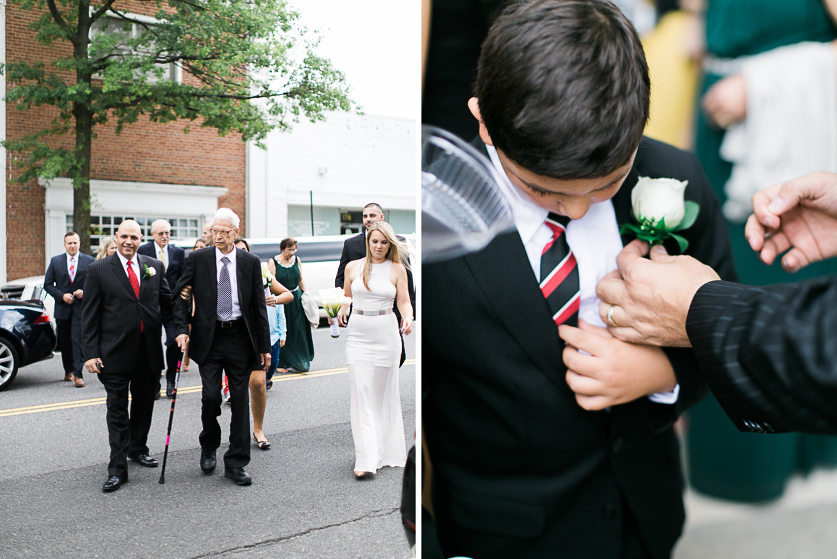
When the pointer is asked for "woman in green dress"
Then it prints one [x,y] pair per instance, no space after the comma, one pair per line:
[298,351]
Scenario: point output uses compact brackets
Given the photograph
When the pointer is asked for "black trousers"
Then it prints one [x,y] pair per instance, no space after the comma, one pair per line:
[129,434]
[68,331]
[231,351]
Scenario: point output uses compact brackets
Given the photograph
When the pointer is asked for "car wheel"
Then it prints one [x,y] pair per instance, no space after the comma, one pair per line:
[8,363]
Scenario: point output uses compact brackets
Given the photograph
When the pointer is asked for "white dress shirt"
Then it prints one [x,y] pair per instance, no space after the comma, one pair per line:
[236,309]
[135,263]
[594,240]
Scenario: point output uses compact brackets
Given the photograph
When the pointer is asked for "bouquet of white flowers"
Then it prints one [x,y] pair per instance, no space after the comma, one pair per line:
[267,277]
[333,300]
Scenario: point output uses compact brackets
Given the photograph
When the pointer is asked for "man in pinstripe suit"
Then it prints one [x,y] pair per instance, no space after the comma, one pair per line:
[125,295]
[767,352]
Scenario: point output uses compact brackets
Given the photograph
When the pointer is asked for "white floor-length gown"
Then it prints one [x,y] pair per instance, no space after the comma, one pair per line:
[373,350]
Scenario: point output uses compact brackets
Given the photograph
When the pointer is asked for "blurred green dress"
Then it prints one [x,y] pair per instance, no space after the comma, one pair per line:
[722,461]
[298,351]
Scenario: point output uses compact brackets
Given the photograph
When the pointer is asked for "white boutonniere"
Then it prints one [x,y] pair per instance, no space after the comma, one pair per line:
[267,277]
[659,209]
[149,272]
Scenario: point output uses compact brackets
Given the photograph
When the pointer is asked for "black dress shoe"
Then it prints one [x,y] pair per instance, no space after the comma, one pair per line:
[238,475]
[143,460]
[207,461]
[169,389]
[113,483]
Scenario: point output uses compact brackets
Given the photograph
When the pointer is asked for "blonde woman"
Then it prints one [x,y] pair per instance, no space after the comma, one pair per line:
[107,246]
[373,349]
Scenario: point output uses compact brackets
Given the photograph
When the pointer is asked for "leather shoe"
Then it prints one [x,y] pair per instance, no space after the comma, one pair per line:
[207,461]
[169,389]
[68,377]
[143,460]
[113,483]
[238,475]
[79,382]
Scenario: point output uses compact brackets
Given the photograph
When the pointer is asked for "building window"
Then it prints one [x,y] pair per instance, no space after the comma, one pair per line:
[115,25]
[106,225]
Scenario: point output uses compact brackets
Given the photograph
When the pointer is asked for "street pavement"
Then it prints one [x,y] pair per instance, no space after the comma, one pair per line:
[304,501]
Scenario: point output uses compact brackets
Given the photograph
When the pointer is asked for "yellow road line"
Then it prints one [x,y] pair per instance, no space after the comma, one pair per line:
[184,390]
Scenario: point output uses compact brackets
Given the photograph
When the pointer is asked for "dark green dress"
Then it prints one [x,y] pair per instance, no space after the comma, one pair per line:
[298,351]
[722,461]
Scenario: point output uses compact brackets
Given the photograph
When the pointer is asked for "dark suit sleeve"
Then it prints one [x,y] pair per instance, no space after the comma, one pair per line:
[769,354]
[91,311]
[182,309]
[49,283]
[260,309]
[341,268]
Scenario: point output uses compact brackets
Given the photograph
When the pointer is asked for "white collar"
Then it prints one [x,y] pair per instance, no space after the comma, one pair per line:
[219,255]
[124,260]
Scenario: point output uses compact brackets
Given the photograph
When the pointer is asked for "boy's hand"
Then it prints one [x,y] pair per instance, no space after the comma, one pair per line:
[615,372]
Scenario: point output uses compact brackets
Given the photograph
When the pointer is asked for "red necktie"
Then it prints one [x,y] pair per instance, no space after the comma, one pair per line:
[72,269]
[132,277]
[559,274]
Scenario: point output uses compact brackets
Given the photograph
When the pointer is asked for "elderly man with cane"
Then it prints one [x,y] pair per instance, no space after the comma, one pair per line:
[768,352]
[230,333]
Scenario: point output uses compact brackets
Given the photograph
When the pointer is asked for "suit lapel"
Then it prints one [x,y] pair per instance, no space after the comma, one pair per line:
[622,203]
[503,273]
[241,276]
[121,274]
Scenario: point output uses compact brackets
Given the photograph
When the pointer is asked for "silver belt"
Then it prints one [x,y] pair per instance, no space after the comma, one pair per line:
[371,313]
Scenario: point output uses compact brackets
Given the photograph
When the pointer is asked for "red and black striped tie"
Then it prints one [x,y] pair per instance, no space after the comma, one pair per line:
[559,274]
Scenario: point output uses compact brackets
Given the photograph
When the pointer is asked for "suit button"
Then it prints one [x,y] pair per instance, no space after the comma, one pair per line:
[609,511]
[617,444]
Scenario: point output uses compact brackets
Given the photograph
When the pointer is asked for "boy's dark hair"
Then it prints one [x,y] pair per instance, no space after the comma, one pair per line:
[563,87]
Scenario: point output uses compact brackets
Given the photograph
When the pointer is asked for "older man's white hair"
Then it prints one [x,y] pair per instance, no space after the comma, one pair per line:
[158,223]
[226,214]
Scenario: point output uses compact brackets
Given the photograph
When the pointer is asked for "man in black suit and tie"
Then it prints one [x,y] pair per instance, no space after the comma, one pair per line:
[172,258]
[354,248]
[64,280]
[125,296]
[528,460]
[229,333]
[768,352]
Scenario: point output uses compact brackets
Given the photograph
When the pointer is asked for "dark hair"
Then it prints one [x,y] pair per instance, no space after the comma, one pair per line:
[374,204]
[69,234]
[563,87]
[242,240]
[290,241]
[200,241]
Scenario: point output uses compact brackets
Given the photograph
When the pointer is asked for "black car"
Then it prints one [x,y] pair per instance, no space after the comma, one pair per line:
[26,336]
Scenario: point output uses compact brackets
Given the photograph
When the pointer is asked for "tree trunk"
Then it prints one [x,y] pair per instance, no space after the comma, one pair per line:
[84,135]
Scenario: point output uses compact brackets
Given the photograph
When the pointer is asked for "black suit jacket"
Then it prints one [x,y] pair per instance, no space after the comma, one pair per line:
[512,451]
[112,313]
[201,273]
[57,283]
[768,353]
[354,248]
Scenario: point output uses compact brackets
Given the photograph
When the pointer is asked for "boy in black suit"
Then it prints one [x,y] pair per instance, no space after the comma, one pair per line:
[532,457]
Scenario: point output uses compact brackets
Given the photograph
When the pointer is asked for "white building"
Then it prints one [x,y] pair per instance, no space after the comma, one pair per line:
[316,179]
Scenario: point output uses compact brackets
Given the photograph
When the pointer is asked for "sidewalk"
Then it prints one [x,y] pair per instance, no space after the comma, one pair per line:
[800,525]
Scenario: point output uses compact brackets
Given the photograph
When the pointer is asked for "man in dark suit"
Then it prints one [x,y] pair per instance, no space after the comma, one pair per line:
[354,248]
[64,280]
[125,296]
[172,258]
[229,333]
[522,465]
[766,351]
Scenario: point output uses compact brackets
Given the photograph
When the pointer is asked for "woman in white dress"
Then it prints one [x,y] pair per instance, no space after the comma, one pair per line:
[373,349]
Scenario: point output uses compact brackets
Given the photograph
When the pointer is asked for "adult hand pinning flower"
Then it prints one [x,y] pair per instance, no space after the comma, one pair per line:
[660,210]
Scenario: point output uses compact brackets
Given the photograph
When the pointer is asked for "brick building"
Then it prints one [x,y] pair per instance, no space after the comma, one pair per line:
[146,172]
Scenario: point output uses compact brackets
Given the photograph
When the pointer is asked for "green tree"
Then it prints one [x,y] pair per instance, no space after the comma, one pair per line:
[247,66]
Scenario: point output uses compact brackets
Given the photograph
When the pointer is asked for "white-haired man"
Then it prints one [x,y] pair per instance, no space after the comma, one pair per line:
[230,333]
[172,258]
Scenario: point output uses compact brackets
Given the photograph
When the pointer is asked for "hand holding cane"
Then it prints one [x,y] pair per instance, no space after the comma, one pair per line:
[171,415]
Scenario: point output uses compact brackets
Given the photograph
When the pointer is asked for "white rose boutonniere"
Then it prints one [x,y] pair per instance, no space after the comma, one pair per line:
[149,272]
[659,209]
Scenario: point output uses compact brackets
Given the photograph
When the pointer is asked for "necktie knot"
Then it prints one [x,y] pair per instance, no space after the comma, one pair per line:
[225,260]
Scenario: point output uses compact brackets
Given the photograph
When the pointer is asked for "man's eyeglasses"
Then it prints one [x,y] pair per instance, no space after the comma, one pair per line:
[223,232]
[163,233]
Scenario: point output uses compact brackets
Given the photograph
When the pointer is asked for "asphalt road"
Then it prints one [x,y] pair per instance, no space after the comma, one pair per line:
[304,501]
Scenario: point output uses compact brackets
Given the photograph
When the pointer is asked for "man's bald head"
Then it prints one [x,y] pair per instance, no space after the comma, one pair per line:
[128,238]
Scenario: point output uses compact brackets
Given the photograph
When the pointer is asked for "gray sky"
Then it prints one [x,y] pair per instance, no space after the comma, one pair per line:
[376,44]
